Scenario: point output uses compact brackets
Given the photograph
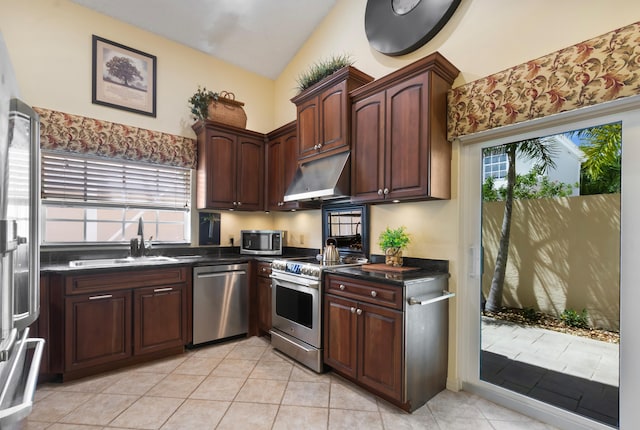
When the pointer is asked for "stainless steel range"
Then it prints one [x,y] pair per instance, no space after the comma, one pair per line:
[297,308]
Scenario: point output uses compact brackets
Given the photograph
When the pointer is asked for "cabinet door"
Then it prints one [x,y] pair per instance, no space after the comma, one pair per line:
[368,146]
[380,349]
[407,150]
[282,156]
[160,318]
[264,304]
[275,173]
[334,117]
[290,166]
[220,170]
[340,341]
[97,329]
[308,127]
[250,174]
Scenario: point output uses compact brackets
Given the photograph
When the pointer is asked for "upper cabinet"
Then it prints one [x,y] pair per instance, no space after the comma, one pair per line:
[399,147]
[230,167]
[324,112]
[282,161]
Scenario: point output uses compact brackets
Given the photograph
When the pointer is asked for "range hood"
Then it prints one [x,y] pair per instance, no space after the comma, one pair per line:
[321,179]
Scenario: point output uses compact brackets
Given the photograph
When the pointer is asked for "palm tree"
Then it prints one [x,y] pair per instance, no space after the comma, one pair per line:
[541,151]
[602,147]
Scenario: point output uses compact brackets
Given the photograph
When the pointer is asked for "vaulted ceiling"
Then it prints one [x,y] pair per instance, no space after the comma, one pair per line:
[261,36]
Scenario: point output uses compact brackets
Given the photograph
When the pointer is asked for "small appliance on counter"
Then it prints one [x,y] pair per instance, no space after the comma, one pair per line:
[261,242]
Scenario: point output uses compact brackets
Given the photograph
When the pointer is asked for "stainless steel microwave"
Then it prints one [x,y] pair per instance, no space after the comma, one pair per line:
[261,242]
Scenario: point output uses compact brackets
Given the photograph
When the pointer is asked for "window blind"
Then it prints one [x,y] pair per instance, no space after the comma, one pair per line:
[93,181]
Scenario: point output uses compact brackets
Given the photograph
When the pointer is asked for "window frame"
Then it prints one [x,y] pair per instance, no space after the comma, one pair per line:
[127,223]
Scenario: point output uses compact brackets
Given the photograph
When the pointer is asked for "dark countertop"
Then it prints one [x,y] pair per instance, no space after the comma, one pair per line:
[394,278]
[187,260]
[58,262]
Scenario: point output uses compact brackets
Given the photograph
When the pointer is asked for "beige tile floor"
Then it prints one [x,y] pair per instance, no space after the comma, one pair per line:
[245,384]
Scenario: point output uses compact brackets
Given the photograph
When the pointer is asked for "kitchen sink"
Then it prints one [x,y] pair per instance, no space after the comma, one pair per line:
[106,262]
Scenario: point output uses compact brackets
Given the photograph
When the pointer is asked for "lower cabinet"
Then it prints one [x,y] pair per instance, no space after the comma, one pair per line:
[160,318]
[97,329]
[364,342]
[263,284]
[102,321]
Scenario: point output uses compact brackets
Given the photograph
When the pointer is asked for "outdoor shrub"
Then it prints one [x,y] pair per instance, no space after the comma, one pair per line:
[530,314]
[575,319]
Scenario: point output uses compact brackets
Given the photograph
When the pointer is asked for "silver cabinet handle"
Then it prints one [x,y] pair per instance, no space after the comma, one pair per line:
[103,296]
[374,294]
[386,191]
[162,290]
[239,203]
[220,274]
[342,287]
[353,310]
[359,312]
[426,300]
[380,191]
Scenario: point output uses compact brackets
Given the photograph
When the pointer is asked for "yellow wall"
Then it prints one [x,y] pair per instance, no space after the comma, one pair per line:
[50,46]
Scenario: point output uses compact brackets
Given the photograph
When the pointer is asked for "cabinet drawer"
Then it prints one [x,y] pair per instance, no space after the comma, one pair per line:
[370,292]
[264,269]
[89,283]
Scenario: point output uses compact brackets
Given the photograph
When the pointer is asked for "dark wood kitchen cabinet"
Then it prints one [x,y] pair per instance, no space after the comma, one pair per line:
[97,329]
[282,162]
[160,318]
[230,167]
[324,111]
[104,320]
[263,284]
[399,145]
[363,334]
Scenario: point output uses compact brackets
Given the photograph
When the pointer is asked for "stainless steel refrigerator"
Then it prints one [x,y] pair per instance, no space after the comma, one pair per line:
[19,249]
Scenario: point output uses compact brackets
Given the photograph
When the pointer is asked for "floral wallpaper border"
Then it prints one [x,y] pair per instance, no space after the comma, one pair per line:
[79,134]
[598,70]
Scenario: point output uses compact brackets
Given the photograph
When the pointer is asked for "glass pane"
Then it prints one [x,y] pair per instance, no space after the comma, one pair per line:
[108,214]
[64,231]
[104,231]
[53,212]
[134,214]
[551,293]
[170,232]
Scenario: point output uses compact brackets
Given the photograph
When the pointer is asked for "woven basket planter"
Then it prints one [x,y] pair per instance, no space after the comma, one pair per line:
[227,110]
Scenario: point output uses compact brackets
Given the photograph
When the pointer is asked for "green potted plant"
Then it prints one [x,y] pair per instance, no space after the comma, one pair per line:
[199,103]
[392,242]
[321,69]
[221,107]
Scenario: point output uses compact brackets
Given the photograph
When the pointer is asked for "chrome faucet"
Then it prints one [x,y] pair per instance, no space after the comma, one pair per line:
[138,247]
[141,247]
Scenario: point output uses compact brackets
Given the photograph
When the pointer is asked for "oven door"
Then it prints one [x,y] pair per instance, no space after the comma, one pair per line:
[296,307]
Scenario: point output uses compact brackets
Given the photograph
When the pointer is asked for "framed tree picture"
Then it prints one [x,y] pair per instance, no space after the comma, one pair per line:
[123,77]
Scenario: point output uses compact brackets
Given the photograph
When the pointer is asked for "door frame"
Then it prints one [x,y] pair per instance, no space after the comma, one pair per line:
[468,317]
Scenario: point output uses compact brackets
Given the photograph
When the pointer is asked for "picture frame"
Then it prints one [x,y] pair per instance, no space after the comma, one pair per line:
[123,77]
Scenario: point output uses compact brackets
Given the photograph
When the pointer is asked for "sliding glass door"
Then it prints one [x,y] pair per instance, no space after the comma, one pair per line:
[549,251]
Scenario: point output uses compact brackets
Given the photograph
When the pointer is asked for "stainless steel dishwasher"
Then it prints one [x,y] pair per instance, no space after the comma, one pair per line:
[220,302]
